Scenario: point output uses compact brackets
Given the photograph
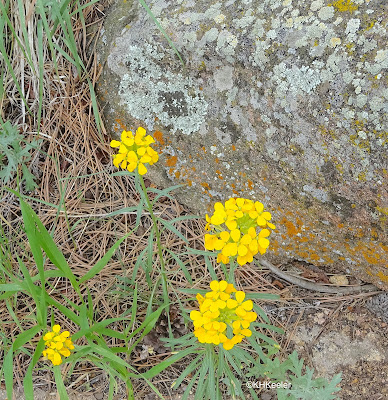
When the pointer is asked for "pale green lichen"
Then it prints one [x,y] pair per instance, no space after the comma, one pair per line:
[223,78]
[326,13]
[149,91]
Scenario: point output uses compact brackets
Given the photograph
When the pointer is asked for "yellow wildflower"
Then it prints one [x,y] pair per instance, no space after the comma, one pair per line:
[233,228]
[58,345]
[218,310]
[134,151]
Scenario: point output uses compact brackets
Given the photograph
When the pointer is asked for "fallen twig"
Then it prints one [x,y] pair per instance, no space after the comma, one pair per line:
[316,286]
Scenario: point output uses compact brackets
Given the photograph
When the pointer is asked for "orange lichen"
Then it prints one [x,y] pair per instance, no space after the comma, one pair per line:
[218,172]
[119,125]
[205,185]
[303,254]
[233,147]
[344,5]
[158,136]
[291,229]
[274,246]
[372,252]
[250,184]
[370,256]
[217,160]
[171,161]
[328,260]
[382,276]
[177,174]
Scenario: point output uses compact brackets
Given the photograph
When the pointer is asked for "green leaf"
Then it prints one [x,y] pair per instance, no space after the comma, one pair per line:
[142,2]
[146,326]
[46,242]
[59,382]
[34,293]
[99,327]
[27,381]
[8,372]
[193,291]
[183,341]
[181,265]
[172,228]
[100,264]
[232,362]
[8,287]
[262,296]
[108,355]
[157,369]
[270,327]
[163,193]
[29,178]
[201,252]
[211,376]
[24,337]
[210,268]
[242,355]
[202,382]
[188,370]
[260,312]
[139,262]
[193,380]
[133,311]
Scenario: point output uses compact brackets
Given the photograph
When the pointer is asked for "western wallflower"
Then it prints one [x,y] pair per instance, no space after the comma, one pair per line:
[134,151]
[234,228]
[58,345]
[223,316]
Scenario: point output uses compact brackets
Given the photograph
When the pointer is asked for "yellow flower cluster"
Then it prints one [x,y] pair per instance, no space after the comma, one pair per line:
[58,345]
[134,151]
[219,312]
[234,230]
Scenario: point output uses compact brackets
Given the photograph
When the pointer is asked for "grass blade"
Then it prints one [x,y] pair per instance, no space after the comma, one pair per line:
[27,381]
[143,3]
[59,382]
[100,264]
[182,266]
[172,228]
[166,363]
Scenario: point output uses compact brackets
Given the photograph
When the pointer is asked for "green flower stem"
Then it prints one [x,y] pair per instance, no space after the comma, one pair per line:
[231,270]
[158,242]
[224,270]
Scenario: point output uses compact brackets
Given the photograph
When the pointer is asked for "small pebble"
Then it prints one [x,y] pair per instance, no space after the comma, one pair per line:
[339,280]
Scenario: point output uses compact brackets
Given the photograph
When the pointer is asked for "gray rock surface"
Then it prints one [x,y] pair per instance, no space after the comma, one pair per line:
[279,101]
[379,305]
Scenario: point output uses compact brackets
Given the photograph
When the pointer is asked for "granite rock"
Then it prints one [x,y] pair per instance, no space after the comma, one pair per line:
[279,101]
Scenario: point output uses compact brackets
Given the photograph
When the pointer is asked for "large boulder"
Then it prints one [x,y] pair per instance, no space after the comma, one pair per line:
[279,101]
